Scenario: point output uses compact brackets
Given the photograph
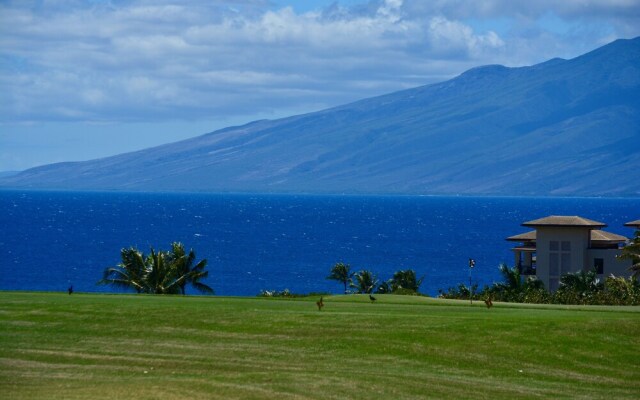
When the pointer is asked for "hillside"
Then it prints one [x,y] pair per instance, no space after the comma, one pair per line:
[562,127]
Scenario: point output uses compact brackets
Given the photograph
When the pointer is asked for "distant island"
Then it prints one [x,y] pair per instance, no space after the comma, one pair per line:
[559,128]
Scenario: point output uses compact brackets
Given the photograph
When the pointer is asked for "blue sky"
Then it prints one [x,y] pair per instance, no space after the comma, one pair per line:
[88,79]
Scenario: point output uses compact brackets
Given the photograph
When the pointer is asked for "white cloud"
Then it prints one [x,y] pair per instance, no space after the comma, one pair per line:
[454,39]
[139,60]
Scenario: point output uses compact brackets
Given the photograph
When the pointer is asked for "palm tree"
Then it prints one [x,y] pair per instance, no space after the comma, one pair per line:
[342,273]
[578,288]
[406,279]
[385,287]
[186,272]
[161,275]
[632,252]
[583,282]
[129,274]
[158,273]
[512,279]
[514,287]
[365,281]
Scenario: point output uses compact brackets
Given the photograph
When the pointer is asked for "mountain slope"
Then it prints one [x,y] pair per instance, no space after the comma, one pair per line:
[563,127]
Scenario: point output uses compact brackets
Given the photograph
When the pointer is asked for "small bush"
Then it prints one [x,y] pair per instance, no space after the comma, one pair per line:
[277,293]
[405,292]
[460,292]
[580,288]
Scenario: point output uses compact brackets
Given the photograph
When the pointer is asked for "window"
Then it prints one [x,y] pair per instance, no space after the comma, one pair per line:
[598,264]
[554,264]
[553,284]
[559,261]
[565,263]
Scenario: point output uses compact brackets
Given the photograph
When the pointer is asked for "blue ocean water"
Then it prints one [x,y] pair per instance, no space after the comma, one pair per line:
[49,240]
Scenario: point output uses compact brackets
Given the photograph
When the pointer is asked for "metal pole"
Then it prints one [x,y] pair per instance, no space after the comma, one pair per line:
[472,263]
[470,288]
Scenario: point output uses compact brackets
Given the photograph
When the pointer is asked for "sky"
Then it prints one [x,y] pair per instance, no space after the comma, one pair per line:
[88,79]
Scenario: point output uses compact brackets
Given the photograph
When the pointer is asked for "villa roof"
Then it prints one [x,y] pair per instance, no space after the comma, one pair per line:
[635,223]
[523,237]
[602,236]
[563,220]
[596,236]
[525,249]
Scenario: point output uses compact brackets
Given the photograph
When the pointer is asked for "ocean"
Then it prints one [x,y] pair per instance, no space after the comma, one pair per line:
[50,240]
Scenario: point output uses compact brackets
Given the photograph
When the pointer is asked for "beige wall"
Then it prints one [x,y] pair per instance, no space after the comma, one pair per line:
[612,266]
[568,254]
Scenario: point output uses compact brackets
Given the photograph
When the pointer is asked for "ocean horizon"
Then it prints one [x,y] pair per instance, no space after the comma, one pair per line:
[256,242]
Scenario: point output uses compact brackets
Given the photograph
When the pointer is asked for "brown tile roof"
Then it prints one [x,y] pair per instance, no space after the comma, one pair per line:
[596,236]
[564,220]
[523,237]
[525,249]
[602,236]
[635,223]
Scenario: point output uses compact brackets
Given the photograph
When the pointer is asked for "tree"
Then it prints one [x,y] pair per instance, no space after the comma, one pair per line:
[622,291]
[582,281]
[406,279]
[365,281]
[161,276]
[186,271]
[129,274]
[158,273]
[578,287]
[512,279]
[384,287]
[632,252]
[514,287]
[342,273]
[460,292]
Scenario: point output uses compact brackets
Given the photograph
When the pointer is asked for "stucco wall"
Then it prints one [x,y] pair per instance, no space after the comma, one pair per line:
[612,266]
[570,258]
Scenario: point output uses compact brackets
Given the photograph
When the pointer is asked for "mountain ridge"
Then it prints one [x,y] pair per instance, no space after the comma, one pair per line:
[561,127]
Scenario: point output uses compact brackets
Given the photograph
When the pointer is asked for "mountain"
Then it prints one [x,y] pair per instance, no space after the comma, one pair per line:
[562,127]
[8,173]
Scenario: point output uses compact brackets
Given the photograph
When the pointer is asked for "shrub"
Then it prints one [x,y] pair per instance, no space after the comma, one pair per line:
[276,293]
[460,292]
[405,292]
[405,279]
[622,291]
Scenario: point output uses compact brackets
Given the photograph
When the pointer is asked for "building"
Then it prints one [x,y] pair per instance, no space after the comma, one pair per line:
[563,244]
[634,224]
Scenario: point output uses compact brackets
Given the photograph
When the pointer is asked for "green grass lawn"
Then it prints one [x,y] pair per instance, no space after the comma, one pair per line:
[90,346]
